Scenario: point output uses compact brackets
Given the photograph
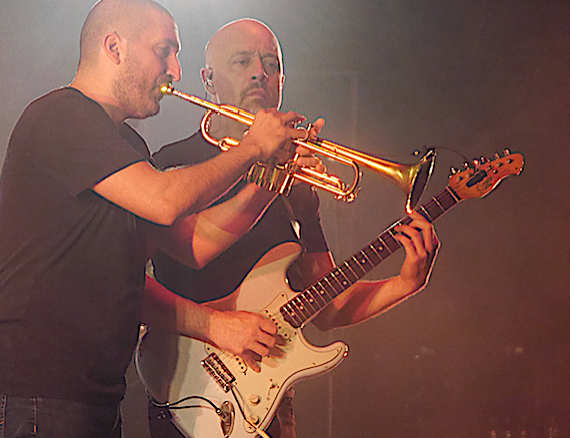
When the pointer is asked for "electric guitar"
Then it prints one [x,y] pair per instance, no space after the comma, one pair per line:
[213,394]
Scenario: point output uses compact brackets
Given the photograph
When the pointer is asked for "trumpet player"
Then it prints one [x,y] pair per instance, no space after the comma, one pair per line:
[244,68]
[80,205]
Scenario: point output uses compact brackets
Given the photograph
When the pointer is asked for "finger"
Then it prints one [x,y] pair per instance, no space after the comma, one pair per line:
[431,241]
[291,119]
[265,339]
[413,236]
[268,326]
[277,353]
[252,359]
[317,127]
[303,151]
[260,349]
[310,161]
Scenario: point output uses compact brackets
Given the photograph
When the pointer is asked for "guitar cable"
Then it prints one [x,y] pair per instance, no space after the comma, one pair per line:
[173,405]
[218,411]
[259,431]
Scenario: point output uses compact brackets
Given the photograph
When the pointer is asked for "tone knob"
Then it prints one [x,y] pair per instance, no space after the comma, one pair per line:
[253,419]
[254,399]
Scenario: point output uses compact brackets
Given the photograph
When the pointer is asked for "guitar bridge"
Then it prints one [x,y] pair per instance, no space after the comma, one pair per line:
[219,371]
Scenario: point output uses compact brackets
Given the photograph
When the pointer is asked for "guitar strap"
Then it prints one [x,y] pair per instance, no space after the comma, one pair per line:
[292,218]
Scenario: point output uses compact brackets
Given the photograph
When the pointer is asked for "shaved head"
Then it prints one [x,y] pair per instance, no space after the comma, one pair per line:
[127,18]
[243,28]
[244,66]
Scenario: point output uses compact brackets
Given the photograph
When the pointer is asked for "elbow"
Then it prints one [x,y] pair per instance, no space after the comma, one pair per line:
[165,211]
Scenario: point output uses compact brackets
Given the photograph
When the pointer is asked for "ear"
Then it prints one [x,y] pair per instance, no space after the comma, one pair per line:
[111,44]
[206,74]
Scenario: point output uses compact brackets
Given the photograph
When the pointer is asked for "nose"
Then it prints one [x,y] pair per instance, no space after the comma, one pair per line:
[258,70]
[174,70]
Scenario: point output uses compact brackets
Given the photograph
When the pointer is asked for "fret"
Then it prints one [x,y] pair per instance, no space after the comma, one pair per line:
[317,296]
[346,282]
[355,275]
[298,311]
[375,254]
[391,243]
[438,204]
[365,260]
[324,282]
[453,195]
[311,302]
[332,275]
[427,214]
[290,315]
[435,209]
[356,262]
[301,306]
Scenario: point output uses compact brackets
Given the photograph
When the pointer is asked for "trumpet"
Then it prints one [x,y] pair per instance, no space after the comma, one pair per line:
[279,177]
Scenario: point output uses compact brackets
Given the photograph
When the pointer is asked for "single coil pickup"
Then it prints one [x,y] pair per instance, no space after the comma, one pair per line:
[219,371]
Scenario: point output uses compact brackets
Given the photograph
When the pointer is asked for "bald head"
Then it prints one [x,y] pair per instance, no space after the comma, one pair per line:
[127,18]
[244,66]
[129,49]
[238,32]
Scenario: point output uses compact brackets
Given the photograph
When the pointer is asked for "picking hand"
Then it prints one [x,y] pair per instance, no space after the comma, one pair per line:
[246,334]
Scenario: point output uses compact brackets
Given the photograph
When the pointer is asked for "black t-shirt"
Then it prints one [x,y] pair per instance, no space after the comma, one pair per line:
[225,273]
[71,262]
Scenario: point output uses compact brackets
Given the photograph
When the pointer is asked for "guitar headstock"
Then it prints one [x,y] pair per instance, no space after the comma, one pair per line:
[481,176]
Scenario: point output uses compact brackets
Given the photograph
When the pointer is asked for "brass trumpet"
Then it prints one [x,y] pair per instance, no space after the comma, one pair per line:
[279,177]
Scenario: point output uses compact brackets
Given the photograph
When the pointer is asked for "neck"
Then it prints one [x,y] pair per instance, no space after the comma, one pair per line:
[222,126]
[101,96]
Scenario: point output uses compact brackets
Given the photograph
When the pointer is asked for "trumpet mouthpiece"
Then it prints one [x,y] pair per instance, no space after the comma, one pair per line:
[166,89]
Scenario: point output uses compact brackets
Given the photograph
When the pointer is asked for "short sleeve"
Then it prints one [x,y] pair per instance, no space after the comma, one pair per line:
[75,142]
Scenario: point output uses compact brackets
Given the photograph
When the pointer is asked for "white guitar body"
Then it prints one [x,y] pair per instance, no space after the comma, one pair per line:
[171,366]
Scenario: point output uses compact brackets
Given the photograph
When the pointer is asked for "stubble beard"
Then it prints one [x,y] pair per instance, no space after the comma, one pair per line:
[134,92]
[254,104]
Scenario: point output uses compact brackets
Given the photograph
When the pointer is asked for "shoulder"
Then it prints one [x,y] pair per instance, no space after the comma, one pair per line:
[66,102]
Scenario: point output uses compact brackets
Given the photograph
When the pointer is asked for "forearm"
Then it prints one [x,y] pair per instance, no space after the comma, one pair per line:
[362,301]
[167,311]
[246,334]
[191,189]
[164,196]
[199,238]
[219,227]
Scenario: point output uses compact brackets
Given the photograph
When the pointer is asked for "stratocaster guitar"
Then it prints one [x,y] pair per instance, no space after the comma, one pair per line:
[213,394]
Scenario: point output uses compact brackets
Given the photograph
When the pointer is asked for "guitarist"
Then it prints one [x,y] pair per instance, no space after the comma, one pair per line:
[244,68]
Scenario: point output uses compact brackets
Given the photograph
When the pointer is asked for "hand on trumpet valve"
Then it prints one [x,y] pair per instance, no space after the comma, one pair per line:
[305,157]
[272,131]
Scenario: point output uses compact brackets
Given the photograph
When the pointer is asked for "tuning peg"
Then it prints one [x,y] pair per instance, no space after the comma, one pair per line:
[497,156]
[476,162]
[466,165]
[506,152]
[484,160]
[453,170]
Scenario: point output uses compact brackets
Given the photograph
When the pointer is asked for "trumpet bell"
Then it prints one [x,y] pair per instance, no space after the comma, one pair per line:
[419,176]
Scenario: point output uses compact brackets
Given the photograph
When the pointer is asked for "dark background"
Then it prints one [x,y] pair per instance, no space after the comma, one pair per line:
[485,346]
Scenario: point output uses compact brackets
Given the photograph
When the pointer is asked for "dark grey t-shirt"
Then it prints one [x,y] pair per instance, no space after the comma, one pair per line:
[71,262]
[225,273]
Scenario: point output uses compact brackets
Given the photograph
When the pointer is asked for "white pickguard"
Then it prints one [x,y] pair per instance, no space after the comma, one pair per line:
[170,366]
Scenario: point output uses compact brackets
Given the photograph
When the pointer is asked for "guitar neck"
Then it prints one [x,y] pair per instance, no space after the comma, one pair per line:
[309,302]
